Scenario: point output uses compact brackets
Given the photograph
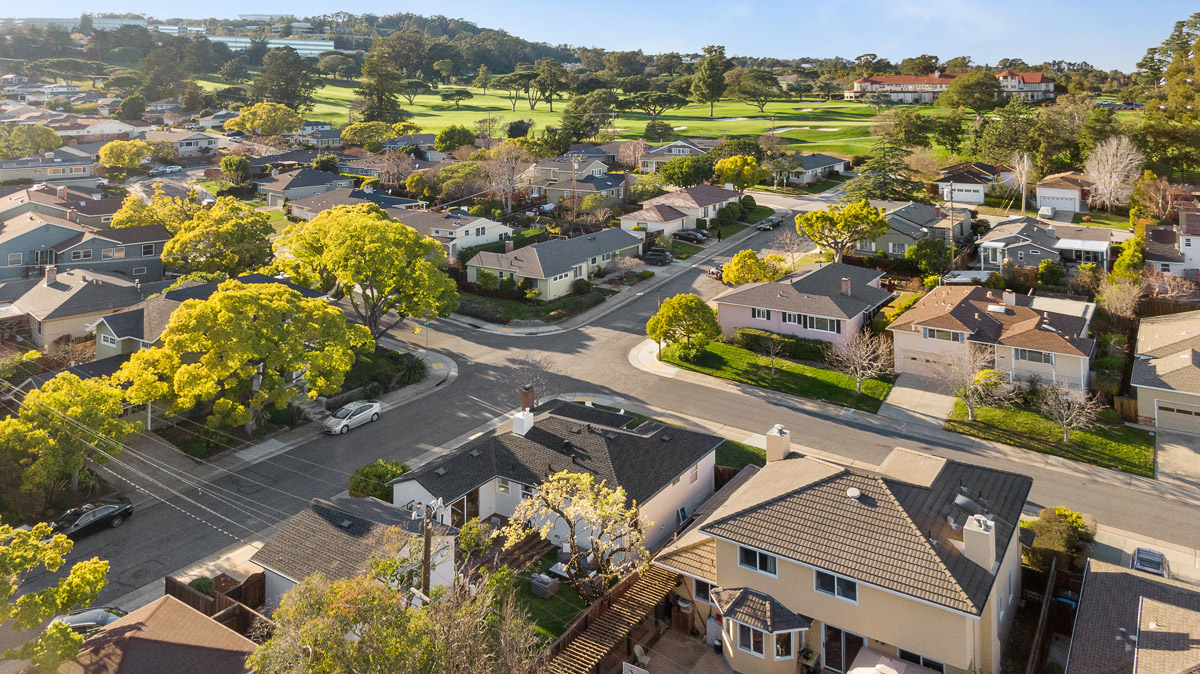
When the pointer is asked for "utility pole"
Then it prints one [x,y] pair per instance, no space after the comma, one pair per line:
[427,555]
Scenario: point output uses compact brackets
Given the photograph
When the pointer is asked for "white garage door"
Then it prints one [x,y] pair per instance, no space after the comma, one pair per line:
[1059,203]
[1178,417]
[924,364]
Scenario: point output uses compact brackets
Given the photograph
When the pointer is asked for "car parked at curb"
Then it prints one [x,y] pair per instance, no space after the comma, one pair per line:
[352,415]
[87,620]
[717,273]
[91,517]
[1150,561]
[658,256]
[689,235]
[768,223]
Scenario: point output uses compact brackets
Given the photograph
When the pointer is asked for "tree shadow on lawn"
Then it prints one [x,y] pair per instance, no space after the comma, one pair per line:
[757,372]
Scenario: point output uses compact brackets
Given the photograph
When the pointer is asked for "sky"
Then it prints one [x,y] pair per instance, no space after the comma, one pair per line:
[1109,34]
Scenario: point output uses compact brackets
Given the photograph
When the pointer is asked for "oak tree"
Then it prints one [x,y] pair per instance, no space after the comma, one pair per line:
[838,227]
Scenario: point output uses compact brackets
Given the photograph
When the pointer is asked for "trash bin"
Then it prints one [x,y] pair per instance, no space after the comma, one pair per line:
[717,647]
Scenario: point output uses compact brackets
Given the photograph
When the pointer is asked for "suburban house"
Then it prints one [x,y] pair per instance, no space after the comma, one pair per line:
[652,221]
[321,139]
[280,187]
[164,104]
[423,144]
[165,635]
[1189,238]
[925,89]
[217,119]
[829,301]
[699,202]
[392,168]
[969,182]
[104,367]
[553,265]
[80,129]
[914,567]
[1130,622]
[1064,192]
[456,230]
[278,160]
[108,105]
[1166,373]
[605,152]
[816,166]
[1084,243]
[559,179]
[910,222]
[185,142]
[64,165]
[1030,337]
[60,201]
[308,208]
[311,125]
[657,156]
[31,241]
[339,538]
[1163,250]
[1026,241]
[668,471]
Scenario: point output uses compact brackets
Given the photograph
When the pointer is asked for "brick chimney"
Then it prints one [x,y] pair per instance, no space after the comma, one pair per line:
[72,215]
[779,443]
[61,191]
[937,211]
[508,245]
[846,286]
[51,274]
[527,397]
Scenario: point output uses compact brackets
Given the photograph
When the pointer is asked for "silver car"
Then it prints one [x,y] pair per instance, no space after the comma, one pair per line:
[352,416]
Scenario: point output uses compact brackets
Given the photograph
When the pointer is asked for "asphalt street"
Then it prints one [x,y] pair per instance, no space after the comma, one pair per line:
[167,536]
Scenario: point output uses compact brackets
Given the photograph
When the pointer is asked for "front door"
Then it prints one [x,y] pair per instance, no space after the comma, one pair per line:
[841,647]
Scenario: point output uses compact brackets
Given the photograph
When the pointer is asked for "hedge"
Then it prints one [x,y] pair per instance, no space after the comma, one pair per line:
[796,348]
[363,181]
[481,311]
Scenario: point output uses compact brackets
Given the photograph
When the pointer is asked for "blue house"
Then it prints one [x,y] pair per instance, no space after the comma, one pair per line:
[32,241]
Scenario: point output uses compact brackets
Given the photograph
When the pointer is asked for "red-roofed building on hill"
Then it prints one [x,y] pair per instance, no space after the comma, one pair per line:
[924,89]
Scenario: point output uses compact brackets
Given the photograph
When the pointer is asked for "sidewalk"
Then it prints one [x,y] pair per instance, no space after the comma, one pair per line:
[173,470]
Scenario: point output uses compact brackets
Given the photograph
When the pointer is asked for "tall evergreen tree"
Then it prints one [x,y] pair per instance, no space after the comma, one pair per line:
[379,94]
[886,175]
[708,85]
[286,79]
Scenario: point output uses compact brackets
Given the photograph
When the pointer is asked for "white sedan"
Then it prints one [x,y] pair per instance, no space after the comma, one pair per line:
[351,416]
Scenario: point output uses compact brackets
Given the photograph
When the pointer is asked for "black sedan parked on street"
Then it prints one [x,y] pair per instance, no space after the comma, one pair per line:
[91,517]
[690,235]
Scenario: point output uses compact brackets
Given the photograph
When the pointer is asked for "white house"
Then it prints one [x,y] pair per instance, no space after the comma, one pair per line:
[654,220]
[1064,192]
[668,471]
[457,229]
[186,142]
[816,166]
[699,202]
[1189,238]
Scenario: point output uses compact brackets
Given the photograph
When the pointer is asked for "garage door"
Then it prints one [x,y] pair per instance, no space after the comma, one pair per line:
[924,364]
[1059,203]
[1178,417]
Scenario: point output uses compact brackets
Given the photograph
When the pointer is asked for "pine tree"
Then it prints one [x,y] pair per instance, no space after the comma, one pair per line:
[886,175]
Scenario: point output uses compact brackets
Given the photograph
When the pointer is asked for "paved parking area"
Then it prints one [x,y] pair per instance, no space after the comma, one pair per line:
[678,654]
[917,400]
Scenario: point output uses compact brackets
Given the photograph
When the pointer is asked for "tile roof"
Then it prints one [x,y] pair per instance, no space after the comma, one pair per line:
[1169,350]
[1115,598]
[895,535]
[696,196]
[557,256]
[758,609]
[816,290]
[164,636]
[643,460]
[305,177]
[658,213]
[1029,323]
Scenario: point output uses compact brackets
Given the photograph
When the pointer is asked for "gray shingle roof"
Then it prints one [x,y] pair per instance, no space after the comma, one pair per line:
[127,323]
[656,214]
[77,292]
[643,461]
[815,290]
[1021,229]
[97,368]
[696,196]
[1162,244]
[299,156]
[894,536]
[811,162]
[758,609]
[557,256]
[909,218]
[305,177]
[348,196]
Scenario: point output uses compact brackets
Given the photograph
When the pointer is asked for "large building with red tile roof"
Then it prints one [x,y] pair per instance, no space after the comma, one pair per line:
[924,89]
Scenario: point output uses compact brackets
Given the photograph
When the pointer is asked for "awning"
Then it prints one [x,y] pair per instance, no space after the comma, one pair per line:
[873,662]
[1081,244]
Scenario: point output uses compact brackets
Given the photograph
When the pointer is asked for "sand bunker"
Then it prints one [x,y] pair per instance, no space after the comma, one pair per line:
[826,128]
[791,128]
[804,109]
[678,128]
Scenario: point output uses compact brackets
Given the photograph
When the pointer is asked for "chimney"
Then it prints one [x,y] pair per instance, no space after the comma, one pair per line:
[526,398]
[779,443]
[508,245]
[274,172]
[729,186]
[61,192]
[846,286]
[979,541]
[72,215]
[51,275]
[1010,298]
[522,422]
[1052,231]
[369,189]
[937,211]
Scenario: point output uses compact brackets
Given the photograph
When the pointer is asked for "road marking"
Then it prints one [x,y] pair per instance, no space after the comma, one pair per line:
[439,366]
[506,329]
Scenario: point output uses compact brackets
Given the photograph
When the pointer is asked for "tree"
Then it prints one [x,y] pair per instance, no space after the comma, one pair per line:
[684,318]
[653,103]
[235,71]
[1022,173]
[552,79]
[23,140]
[686,171]
[886,175]
[1049,273]
[513,85]
[747,267]
[160,73]
[979,91]
[410,89]
[132,107]
[34,552]
[192,98]
[1010,128]
[828,85]
[1057,405]
[266,119]
[364,134]
[1119,297]
[590,511]
[331,64]
[931,255]
[235,168]
[587,114]
[865,356]
[238,350]
[163,152]
[972,379]
[708,84]
[125,85]
[230,238]
[907,127]
[170,212]
[446,68]
[781,167]
[658,132]
[456,96]
[1112,167]
[286,79]
[1131,261]
[757,87]
[505,165]
[630,153]
[839,227]
[383,266]
[124,156]
[867,64]
[1158,197]
[877,100]
[958,64]
[483,79]
[453,137]
[380,88]
[740,170]
[919,66]
[947,129]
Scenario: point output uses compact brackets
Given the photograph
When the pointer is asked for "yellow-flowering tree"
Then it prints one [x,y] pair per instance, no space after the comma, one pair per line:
[748,267]
[266,119]
[229,238]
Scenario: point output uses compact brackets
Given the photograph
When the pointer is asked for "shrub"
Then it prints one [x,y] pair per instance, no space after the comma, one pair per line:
[288,416]
[748,203]
[412,369]
[532,294]
[372,479]
[859,159]
[580,286]
[930,282]
[688,353]
[204,585]
[487,281]
[482,311]
[1049,273]
[581,304]
[645,274]
[507,284]
[1060,533]
[701,223]
[796,348]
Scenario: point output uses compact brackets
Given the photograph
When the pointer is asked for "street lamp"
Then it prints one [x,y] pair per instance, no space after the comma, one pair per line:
[426,324]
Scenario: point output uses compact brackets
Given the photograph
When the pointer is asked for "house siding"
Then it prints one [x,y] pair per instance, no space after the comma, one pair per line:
[1148,399]
[732,316]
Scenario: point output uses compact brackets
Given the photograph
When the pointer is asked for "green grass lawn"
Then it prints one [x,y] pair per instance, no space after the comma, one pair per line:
[740,365]
[213,186]
[1102,219]
[278,219]
[551,616]
[682,250]
[738,455]
[758,214]
[1110,444]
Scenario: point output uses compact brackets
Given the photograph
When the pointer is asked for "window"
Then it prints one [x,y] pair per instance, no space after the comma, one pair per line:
[760,314]
[108,340]
[1035,251]
[147,250]
[77,255]
[757,561]
[14,259]
[897,248]
[1021,255]
[502,486]
[945,335]
[45,256]
[480,231]
[836,586]
[593,260]
[1034,356]
[680,516]
[822,324]
[526,492]
[1187,242]
[106,253]
[750,639]
[909,656]
[783,646]
[865,245]
[578,271]
[791,318]
[703,591]
[694,474]
[1164,266]
[138,271]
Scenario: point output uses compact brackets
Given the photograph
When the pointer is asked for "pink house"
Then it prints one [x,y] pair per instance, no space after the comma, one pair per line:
[830,302]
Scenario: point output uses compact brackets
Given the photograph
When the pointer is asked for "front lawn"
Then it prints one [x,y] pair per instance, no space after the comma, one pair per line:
[1110,444]
[758,214]
[1102,219]
[737,364]
[725,231]
[551,616]
[739,455]
[278,220]
[682,250]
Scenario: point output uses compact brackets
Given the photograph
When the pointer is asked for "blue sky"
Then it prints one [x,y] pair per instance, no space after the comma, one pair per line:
[1106,33]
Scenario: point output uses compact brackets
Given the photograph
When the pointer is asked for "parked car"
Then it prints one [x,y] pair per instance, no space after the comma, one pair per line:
[352,416]
[164,170]
[91,517]
[768,223]
[1150,561]
[235,134]
[101,182]
[193,126]
[85,620]
[704,232]
[658,256]
[717,273]
[235,139]
[689,235]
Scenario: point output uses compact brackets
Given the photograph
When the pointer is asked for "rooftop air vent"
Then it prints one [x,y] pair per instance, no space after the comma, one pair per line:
[610,435]
[345,524]
[576,430]
[967,505]
[474,453]
[667,437]
[440,472]
[566,445]
[853,493]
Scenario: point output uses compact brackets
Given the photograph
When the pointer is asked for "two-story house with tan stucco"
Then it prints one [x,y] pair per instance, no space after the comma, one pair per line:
[573,178]
[914,566]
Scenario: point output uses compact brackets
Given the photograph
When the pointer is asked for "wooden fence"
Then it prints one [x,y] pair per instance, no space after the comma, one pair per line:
[1127,407]
[197,600]
[1037,652]
[585,618]
[1152,306]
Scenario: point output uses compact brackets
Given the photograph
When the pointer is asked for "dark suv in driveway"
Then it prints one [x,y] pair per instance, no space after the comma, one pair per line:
[658,256]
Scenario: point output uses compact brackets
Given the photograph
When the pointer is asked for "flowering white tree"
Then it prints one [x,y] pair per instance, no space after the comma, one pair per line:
[1112,167]
[1022,171]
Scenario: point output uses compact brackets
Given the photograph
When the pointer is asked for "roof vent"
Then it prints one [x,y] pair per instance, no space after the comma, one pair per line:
[610,435]
[853,493]
[440,472]
[666,437]
[566,445]
[996,309]
[345,524]
[576,430]
[967,505]
[474,453]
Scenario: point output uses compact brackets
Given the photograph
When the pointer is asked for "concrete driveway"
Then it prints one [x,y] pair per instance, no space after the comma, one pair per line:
[1177,456]
[917,400]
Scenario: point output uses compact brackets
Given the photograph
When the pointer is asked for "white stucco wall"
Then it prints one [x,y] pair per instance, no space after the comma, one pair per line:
[658,514]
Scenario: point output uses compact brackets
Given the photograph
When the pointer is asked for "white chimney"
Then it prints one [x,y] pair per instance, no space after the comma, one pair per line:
[779,443]
[846,286]
[979,541]
[51,275]
[522,422]
[1010,298]
[729,186]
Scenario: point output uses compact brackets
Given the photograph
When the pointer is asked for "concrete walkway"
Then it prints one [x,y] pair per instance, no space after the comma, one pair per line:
[917,400]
